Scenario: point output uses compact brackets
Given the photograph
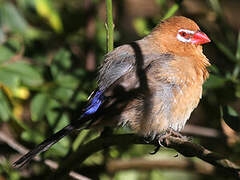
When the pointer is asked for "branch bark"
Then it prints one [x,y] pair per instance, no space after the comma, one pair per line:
[183,146]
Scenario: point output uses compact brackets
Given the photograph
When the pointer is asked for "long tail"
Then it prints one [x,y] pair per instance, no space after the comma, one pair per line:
[46,144]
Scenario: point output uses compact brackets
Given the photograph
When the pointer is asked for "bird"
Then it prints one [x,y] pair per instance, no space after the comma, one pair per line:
[151,85]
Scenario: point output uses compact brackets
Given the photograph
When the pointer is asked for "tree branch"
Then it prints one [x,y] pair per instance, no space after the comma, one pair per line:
[190,149]
[183,146]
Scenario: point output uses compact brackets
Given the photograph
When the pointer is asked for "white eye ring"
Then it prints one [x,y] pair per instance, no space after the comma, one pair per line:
[181,38]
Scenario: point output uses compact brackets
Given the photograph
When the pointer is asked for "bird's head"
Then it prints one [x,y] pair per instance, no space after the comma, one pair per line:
[179,35]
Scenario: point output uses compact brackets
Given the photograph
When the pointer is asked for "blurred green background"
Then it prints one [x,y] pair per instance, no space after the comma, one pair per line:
[49,54]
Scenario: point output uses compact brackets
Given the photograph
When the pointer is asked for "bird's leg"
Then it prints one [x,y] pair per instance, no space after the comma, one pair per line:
[161,137]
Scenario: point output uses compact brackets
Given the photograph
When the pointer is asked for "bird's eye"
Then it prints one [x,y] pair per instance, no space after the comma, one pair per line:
[183,34]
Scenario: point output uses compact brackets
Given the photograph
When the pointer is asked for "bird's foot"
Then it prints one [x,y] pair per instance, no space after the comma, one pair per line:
[162,137]
[169,132]
[149,139]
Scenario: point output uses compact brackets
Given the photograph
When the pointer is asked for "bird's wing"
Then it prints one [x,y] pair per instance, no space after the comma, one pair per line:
[116,64]
[133,57]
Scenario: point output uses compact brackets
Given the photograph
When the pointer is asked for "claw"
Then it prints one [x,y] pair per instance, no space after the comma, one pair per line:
[155,150]
[161,138]
[147,139]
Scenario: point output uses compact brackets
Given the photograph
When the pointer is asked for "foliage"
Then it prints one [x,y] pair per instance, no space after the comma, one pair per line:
[49,53]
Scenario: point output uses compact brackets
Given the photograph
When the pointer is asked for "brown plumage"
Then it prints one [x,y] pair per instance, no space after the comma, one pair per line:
[152,84]
[174,72]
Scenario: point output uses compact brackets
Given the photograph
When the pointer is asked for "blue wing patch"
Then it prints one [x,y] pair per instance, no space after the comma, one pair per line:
[95,104]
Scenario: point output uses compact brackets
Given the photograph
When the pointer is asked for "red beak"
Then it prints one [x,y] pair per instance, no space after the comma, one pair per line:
[200,38]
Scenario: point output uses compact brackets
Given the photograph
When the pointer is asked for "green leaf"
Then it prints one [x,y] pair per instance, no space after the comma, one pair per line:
[8,171]
[54,114]
[82,96]
[59,119]
[62,93]
[63,59]
[47,11]
[140,25]
[9,79]
[67,81]
[14,44]
[6,54]
[5,109]
[39,106]
[80,138]
[64,121]
[32,136]
[59,149]
[2,36]
[61,62]
[171,11]
[26,4]
[26,73]
[12,18]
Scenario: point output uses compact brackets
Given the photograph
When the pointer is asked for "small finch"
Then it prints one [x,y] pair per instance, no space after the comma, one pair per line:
[152,85]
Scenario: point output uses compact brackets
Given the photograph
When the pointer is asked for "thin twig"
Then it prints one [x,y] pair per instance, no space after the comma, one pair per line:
[109,25]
